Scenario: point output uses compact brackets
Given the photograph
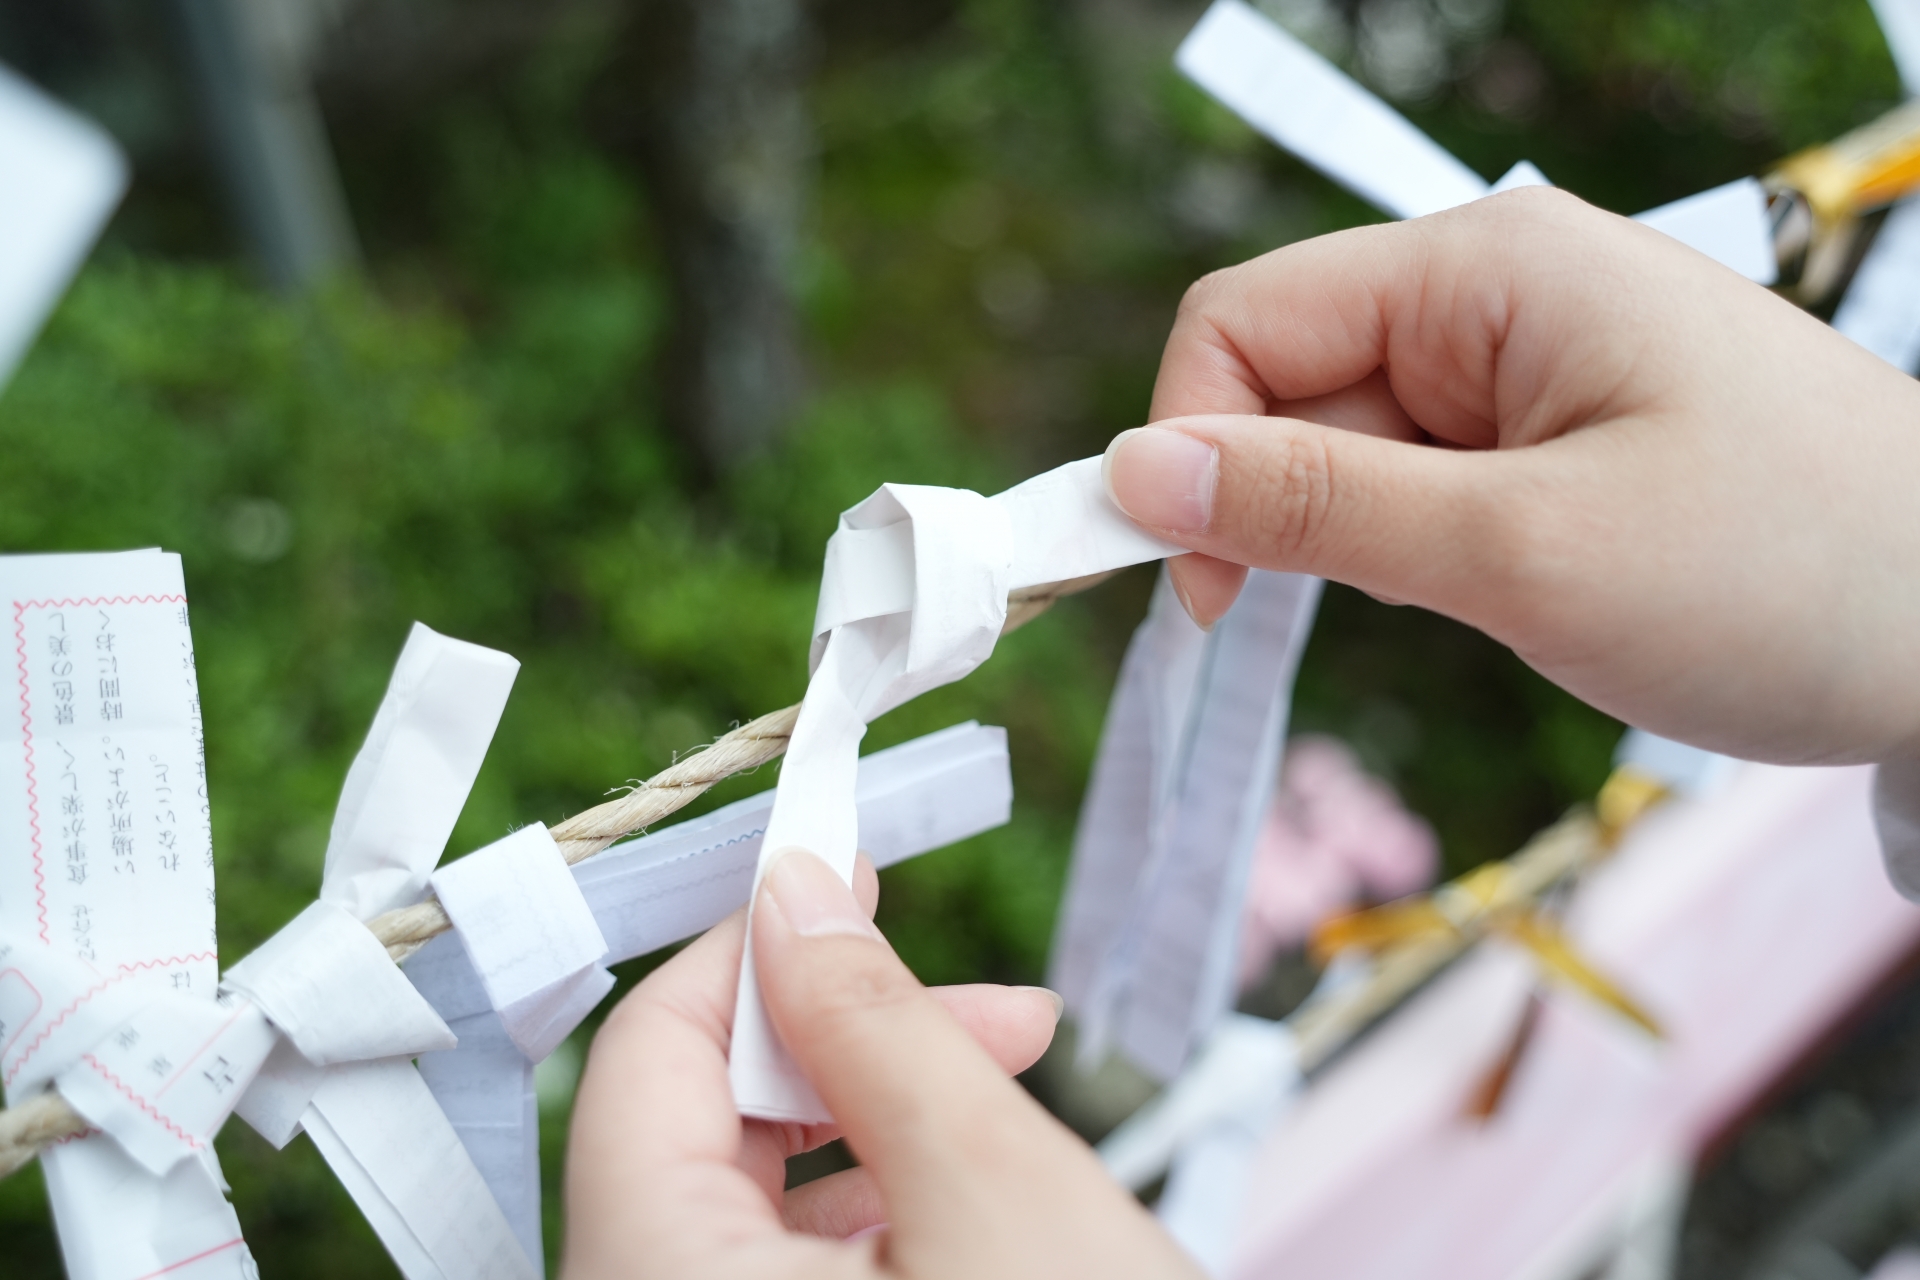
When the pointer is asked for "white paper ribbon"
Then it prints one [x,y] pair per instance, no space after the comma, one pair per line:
[1310,107]
[60,178]
[351,1020]
[107,963]
[913,596]
[663,888]
[530,934]
[1150,920]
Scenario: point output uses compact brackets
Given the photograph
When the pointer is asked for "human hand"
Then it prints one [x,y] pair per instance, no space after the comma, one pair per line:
[1672,493]
[969,1175]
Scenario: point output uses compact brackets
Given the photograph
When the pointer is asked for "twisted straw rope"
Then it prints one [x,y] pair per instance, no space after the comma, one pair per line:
[46,1119]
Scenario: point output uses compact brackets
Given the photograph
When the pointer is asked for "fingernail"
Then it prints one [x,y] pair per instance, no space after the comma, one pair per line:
[1059,1001]
[814,901]
[1163,479]
[1180,594]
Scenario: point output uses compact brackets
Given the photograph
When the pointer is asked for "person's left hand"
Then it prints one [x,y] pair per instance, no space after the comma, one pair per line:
[664,1178]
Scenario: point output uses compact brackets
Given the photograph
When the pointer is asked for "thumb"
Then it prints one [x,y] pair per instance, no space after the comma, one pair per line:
[948,1137]
[1407,522]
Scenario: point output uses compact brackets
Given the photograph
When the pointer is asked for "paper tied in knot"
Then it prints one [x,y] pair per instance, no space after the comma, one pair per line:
[530,935]
[317,1029]
[107,960]
[913,596]
[923,573]
[142,1065]
[351,1021]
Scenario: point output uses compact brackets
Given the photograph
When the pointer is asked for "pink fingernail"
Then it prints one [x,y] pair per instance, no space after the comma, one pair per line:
[1058,1001]
[1180,593]
[1163,479]
[815,902]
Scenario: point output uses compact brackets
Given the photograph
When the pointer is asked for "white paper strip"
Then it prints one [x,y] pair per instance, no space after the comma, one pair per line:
[387,1140]
[1729,224]
[968,552]
[530,934]
[1246,1066]
[1900,23]
[375,1122]
[1218,1114]
[106,888]
[163,1082]
[408,784]
[60,176]
[1178,979]
[671,885]
[1881,309]
[485,1087]
[1188,762]
[1313,109]
[1127,806]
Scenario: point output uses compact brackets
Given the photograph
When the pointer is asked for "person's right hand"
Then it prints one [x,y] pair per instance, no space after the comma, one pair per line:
[1668,490]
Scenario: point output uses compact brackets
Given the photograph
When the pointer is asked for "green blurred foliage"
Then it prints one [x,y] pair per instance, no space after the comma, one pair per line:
[1011,198]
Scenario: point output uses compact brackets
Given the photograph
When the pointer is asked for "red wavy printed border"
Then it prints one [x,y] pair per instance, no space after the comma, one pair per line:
[20,608]
[126,971]
[106,1073]
[184,1262]
[33,795]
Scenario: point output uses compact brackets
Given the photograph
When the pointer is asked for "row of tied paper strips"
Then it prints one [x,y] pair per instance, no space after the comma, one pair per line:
[415,1085]
[442,1157]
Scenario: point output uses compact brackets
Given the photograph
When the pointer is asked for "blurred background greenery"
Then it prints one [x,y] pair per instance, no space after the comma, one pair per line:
[983,214]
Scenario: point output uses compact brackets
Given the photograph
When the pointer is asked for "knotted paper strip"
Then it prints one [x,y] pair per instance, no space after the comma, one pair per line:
[530,934]
[668,886]
[913,596]
[1150,921]
[1310,107]
[351,1020]
[106,911]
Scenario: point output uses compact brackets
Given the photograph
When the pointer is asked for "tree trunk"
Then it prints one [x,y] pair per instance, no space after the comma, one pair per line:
[706,97]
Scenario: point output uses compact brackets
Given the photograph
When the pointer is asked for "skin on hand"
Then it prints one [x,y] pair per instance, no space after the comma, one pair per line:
[969,1175]
[1669,491]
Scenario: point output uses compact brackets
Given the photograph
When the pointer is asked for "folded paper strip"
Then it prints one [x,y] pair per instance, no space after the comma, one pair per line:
[660,889]
[913,596]
[1148,941]
[1310,107]
[314,1031]
[317,1029]
[106,910]
[60,178]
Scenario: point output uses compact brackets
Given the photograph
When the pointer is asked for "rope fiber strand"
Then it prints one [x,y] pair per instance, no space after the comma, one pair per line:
[41,1121]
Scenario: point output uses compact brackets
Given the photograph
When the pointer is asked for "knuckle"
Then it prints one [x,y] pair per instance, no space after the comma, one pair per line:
[1198,300]
[1296,484]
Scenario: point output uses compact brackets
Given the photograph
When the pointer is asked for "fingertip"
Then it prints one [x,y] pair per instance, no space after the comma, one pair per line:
[801,893]
[1206,587]
[1162,479]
